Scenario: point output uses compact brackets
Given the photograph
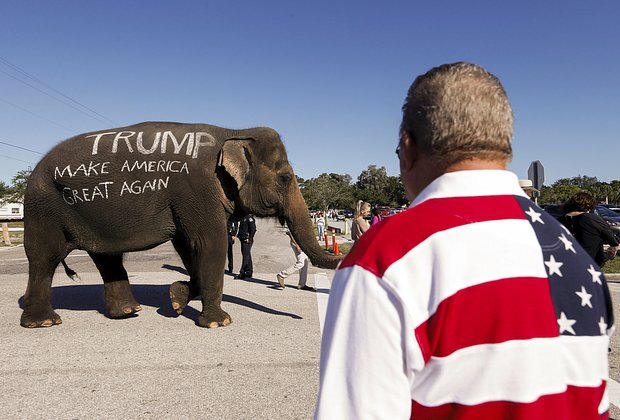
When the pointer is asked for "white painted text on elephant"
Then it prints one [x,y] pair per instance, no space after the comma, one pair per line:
[79,195]
[175,166]
[93,168]
[139,187]
[192,141]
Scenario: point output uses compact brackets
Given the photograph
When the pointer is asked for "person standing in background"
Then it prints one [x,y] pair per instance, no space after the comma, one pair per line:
[232,227]
[376,217]
[320,225]
[247,229]
[360,225]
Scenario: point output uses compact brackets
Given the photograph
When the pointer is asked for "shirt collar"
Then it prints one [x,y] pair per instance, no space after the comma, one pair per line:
[471,183]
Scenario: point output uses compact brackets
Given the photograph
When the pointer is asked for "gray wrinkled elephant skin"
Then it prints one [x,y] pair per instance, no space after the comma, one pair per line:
[133,188]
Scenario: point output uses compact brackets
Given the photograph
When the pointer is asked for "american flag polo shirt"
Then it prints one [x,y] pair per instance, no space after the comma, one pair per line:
[471,304]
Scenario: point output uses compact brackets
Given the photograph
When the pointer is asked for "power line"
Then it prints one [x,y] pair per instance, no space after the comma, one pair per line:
[71,130]
[51,96]
[28,75]
[9,157]
[19,147]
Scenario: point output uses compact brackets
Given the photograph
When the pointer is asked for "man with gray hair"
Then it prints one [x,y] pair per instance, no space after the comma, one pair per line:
[472,303]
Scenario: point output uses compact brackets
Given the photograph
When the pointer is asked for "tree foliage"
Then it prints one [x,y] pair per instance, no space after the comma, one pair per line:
[328,191]
[16,192]
[396,192]
[372,185]
[5,190]
[335,191]
[562,189]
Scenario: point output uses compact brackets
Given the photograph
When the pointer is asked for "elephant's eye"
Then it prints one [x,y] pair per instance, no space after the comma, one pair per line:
[284,179]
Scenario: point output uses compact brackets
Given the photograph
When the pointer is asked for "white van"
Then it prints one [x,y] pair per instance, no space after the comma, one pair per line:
[11,211]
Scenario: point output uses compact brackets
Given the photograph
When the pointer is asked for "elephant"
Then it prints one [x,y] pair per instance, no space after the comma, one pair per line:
[132,188]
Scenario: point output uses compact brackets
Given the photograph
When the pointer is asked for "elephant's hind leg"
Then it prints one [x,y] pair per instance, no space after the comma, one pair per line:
[37,303]
[181,292]
[45,249]
[119,301]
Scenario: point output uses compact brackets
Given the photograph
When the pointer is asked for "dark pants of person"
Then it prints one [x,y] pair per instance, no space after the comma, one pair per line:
[246,269]
[231,241]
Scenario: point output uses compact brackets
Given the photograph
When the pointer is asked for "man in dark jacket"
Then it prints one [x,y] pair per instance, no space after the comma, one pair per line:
[247,229]
[233,227]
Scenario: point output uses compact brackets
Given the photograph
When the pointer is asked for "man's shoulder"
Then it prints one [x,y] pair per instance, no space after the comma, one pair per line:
[393,237]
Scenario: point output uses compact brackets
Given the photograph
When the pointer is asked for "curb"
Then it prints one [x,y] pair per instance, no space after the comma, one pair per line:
[612,277]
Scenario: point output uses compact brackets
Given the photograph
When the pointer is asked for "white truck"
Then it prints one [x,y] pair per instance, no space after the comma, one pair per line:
[11,211]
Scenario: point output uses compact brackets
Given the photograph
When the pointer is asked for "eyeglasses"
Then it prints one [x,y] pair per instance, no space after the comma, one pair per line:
[398,150]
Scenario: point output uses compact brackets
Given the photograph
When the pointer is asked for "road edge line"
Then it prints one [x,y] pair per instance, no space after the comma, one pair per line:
[322,284]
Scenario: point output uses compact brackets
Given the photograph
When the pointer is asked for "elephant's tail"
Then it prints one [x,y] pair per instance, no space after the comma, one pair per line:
[72,274]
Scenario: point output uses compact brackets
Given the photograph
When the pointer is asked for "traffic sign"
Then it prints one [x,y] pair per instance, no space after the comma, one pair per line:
[536,174]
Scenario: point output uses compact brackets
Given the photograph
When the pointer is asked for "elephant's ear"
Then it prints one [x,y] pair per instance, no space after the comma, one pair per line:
[236,159]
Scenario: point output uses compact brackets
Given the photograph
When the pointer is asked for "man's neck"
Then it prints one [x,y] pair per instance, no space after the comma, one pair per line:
[426,171]
[477,164]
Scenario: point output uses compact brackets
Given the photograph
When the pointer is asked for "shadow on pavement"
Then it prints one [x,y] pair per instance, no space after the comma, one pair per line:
[272,284]
[90,298]
[175,268]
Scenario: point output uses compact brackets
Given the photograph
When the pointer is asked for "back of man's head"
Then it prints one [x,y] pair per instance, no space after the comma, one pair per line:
[457,112]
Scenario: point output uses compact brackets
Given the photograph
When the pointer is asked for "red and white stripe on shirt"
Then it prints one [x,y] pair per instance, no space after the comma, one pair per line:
[445,311]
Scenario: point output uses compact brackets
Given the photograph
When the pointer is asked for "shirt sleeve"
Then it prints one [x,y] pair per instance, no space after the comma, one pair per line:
[363,368]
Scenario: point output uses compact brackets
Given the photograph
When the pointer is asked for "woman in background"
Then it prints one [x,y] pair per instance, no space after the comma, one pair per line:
[590,230]
[360,225]
[376,217]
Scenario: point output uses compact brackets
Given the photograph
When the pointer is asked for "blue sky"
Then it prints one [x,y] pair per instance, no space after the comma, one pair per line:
[330,76]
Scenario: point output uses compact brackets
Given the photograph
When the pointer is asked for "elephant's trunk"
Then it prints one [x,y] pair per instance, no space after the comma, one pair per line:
[300,225]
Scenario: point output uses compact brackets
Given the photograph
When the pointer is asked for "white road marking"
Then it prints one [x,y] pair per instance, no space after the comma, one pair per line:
[322,284]
[613,391]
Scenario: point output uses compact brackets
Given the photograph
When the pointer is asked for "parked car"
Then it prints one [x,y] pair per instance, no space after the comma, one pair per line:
[612,218]
[384,211]
[613,207]
[554,210]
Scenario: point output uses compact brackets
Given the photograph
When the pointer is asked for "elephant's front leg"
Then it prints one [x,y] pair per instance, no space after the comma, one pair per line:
[209,270]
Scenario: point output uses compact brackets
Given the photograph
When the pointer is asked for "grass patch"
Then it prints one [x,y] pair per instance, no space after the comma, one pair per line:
[345,247]
[612,266]
[342,247]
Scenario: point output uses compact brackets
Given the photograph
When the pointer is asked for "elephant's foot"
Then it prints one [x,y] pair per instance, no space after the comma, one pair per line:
[180,295]
[119,300]
[122,309]
[36,318]
[213,318]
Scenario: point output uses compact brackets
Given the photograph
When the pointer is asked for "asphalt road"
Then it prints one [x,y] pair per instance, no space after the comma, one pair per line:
[157,364]
[160,365]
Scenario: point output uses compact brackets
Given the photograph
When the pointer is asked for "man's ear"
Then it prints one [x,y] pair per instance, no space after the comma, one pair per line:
[408,152]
